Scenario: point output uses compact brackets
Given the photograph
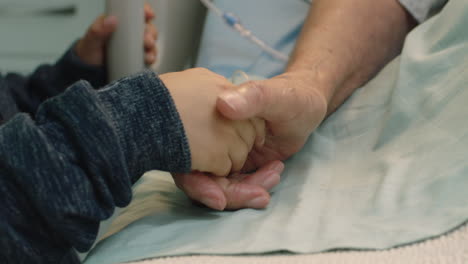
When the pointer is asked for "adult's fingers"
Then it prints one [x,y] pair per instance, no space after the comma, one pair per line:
[251,99]
[268,176]
[251,190]
[202,188]
[235,192]
[241,195]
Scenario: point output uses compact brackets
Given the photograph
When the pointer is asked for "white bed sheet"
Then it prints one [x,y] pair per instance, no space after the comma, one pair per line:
[451,248]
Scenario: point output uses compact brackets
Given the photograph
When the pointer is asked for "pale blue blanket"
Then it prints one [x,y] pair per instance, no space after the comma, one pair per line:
[389,168]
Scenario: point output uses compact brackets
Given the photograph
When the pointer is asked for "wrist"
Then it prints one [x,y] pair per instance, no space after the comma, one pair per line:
[328,75]
[71,68]
[147,124]
[317,84]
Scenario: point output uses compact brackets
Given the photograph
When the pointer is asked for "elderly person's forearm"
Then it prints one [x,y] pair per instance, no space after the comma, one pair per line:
[345,43]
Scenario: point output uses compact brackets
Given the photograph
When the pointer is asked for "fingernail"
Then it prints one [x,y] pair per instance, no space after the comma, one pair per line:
[277,167]
[258,203]
[271,181]
[149,38]
[233,100]
[150,57]
[213,203]
[260,141]
[110,20]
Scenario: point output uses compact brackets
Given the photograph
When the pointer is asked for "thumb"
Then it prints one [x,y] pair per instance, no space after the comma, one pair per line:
[100,31]
[251,99]
[91,47]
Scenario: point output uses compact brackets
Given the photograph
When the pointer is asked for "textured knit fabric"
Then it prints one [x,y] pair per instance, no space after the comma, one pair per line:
[388,168]
[25,94]
[65,170]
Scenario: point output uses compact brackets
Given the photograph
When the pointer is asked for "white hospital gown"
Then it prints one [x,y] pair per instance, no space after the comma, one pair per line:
[421,10]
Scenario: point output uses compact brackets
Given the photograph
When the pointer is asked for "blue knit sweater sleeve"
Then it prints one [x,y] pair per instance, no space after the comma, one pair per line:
[66,170]
[25,93]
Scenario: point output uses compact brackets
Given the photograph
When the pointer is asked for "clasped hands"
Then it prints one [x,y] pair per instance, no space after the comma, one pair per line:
[236,130]
[238,136]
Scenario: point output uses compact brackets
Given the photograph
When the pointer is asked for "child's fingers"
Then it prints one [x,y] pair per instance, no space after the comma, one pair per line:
[100,31]
[216,162]
[150,57]
[242,143]
[250,132]
[151,31]
[90,48]
[238,153]
[149,42]
[149,13]
[246,131]
[260,131]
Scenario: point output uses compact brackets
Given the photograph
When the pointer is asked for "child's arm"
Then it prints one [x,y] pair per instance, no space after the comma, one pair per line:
[83,61]
[64,172]
[26,93]
[218,145]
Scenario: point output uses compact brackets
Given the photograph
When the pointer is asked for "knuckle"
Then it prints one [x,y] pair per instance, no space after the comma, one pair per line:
[258,91]
[198,71]
[242,153]
[179,180]
[225,169]
[238,198]
[222,164]
[214,76]
[201,70]
[237,191]
[149,42]
[153,30]
[95,29]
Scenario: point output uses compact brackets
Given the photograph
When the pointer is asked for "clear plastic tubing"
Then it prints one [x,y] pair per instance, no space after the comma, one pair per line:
[234,22]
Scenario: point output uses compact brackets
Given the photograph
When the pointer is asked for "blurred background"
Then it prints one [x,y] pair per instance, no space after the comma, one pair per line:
[34,32]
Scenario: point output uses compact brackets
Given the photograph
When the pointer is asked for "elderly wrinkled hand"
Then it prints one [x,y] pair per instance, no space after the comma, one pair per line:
[92,47]
[290,103]
[293,106]
[234,192]
[219,146]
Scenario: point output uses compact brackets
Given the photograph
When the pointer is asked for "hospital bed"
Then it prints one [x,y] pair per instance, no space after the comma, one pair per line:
[450,248]
[53,25]
[428,248]
[180,25]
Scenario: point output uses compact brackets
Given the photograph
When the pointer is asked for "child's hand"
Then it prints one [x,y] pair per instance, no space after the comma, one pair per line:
[218,145]
[92,47]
